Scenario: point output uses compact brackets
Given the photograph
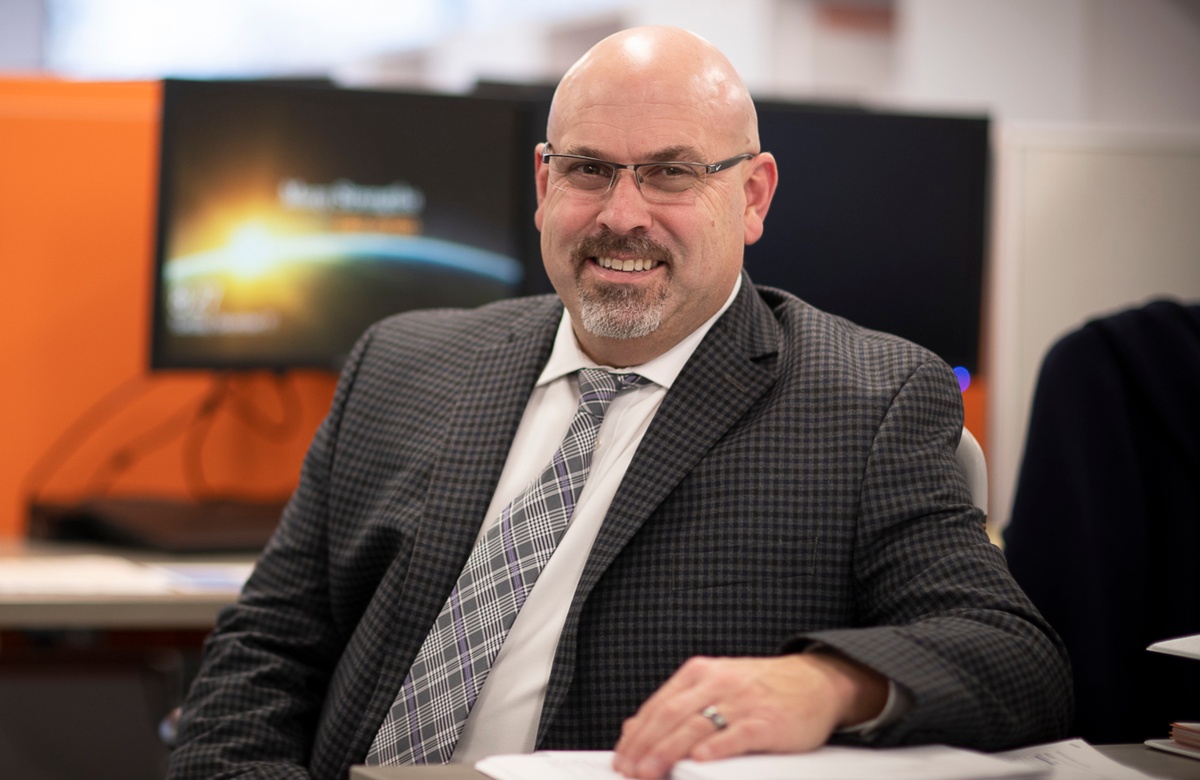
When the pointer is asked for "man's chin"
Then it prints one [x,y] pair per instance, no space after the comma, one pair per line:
[624,330]
[620,311]
[625,321]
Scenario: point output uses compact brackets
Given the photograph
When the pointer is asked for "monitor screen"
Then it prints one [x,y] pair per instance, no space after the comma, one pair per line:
[880,217]
[292,216]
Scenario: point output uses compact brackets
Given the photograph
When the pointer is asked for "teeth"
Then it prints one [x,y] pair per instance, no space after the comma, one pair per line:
[638,264]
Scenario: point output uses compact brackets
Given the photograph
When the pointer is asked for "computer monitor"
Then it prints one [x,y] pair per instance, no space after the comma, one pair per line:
[880,217]
[292,216]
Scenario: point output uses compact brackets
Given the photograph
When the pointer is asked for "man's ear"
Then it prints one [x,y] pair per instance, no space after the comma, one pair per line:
[540,180]
[759,189]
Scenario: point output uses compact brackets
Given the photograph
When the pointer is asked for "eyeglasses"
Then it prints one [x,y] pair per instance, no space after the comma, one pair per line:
[659,182]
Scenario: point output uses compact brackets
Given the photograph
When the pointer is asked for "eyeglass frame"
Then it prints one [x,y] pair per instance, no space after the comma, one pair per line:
[708,168]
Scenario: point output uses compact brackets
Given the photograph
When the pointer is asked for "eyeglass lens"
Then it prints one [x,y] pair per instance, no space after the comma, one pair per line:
[655,180]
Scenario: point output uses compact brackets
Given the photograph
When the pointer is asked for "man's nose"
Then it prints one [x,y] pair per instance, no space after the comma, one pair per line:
[625,209]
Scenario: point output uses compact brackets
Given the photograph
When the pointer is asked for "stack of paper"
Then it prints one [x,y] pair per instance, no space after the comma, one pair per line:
[1186,734]
[1185,737]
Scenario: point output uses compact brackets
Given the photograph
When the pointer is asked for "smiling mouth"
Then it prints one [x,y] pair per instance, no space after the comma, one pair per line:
[635,264]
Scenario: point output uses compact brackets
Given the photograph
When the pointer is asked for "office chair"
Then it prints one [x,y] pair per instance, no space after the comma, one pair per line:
[1105,528]
[970,457]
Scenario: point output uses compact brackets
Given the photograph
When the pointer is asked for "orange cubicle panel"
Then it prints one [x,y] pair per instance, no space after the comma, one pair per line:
[80,415]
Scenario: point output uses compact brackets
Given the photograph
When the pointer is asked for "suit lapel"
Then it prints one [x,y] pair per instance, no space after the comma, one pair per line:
[728,372]
[479,433]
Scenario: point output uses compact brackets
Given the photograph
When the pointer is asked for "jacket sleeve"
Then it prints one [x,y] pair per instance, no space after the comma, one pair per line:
[938,612]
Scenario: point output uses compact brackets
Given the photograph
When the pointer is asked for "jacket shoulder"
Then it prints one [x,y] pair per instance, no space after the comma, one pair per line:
[827,344]
[436,334]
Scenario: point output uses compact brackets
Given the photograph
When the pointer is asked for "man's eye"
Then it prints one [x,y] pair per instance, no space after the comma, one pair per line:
[669,172]
[587,169]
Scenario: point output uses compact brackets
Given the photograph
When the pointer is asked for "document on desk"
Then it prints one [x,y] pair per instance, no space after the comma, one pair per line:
[79,575]
[1073,759]
[205,577]
[110,575]
[932,762]
[1186,646]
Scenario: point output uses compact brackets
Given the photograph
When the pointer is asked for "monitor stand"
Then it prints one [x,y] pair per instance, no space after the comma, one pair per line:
[162,524]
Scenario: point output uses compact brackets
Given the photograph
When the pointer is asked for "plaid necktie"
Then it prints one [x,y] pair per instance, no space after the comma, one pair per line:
[425,720]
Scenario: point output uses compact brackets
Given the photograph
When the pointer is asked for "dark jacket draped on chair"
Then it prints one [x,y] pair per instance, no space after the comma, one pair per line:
[1105,528]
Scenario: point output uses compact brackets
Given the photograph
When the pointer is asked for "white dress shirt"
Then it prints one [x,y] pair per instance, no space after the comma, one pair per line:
[505,717]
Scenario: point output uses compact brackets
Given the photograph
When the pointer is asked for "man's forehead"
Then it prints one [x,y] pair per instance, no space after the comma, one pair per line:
[637,126]
[657,133]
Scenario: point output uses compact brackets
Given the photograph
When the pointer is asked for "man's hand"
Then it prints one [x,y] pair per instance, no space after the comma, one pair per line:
[788,704]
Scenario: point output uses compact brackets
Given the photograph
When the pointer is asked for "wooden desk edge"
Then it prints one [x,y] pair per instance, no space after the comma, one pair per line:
[446,772]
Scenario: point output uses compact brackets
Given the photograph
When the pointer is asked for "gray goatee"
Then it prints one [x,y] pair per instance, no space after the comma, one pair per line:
[618,311]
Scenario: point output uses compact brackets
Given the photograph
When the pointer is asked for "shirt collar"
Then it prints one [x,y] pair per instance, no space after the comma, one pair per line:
[567,357]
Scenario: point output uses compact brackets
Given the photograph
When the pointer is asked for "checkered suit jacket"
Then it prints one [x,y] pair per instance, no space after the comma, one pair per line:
[798,484]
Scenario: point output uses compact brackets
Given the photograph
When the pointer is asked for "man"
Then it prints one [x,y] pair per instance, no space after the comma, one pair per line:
[773,547]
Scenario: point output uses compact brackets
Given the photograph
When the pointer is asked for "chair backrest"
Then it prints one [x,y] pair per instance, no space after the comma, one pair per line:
[974,465]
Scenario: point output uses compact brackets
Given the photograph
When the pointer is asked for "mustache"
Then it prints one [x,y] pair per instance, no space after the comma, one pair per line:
[607,243]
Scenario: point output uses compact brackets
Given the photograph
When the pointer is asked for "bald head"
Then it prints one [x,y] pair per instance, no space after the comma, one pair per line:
[641,264]
[644,66]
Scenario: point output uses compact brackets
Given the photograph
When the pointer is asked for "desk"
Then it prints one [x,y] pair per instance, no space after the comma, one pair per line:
[144,590]
[100,642]
[1140,757]
[1153,762]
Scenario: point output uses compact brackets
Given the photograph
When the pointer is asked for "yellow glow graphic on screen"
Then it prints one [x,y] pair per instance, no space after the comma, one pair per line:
[246,281]
[251,252]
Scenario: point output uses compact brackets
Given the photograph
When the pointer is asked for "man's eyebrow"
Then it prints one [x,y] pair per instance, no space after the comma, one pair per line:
[584,151]
[675,154]
[667,154]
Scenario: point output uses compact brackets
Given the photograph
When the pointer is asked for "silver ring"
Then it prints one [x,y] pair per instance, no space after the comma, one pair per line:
[717,718]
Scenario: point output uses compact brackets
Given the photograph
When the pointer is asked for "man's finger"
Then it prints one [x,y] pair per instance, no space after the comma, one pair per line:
[668,725]
[673,746]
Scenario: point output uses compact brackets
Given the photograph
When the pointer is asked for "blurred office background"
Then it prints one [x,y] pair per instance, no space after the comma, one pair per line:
[1095,61]
[1096,109]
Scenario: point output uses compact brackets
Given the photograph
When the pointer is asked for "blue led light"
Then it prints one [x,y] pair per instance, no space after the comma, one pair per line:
[964,378]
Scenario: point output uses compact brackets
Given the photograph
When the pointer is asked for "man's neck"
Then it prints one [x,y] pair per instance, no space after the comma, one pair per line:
[621,353]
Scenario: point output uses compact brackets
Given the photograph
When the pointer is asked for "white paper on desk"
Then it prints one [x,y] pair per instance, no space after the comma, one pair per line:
[1186,646]
[933,762]
[550,765]
[1171,746]
[80,575]
[1073,759]
[205,577]
[928,762]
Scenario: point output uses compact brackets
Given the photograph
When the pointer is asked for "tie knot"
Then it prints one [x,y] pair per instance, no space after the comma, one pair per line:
[598,387]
